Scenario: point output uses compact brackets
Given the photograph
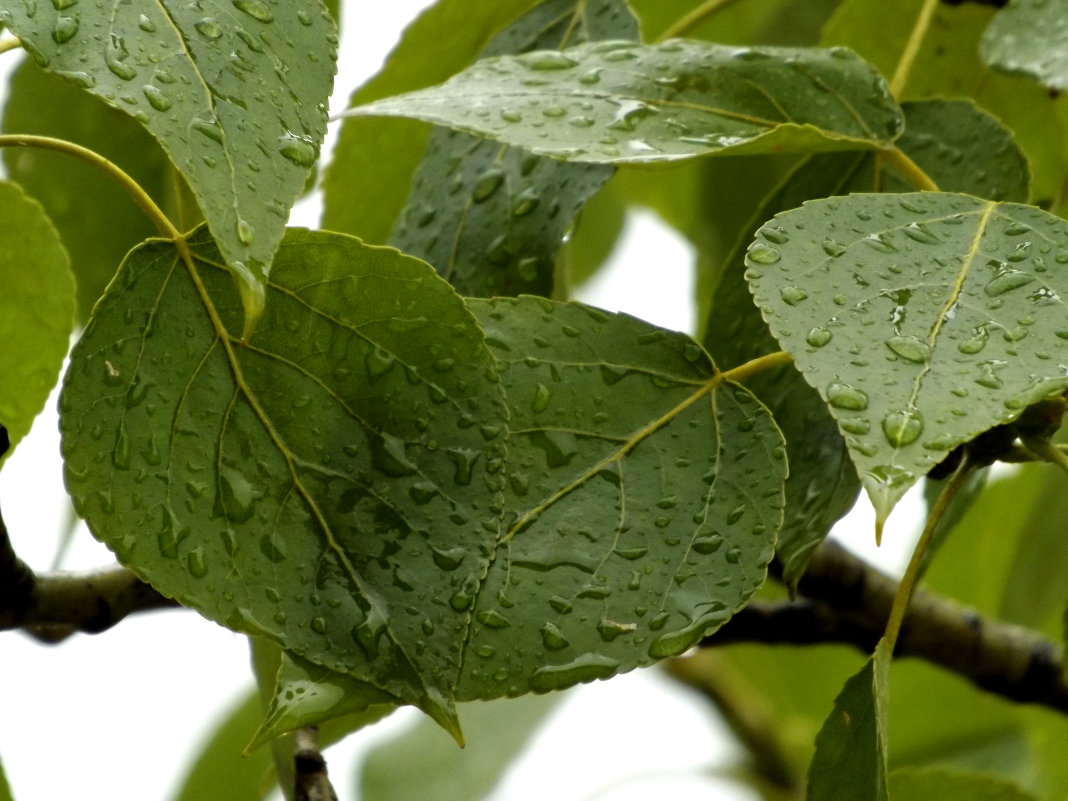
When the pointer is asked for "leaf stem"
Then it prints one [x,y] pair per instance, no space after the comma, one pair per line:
[694,18]
[10,44]
[912,47]
[757,365]
[112,170]
[896,158]
[916,563]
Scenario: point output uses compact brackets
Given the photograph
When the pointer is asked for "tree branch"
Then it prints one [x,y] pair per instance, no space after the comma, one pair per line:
[848,601]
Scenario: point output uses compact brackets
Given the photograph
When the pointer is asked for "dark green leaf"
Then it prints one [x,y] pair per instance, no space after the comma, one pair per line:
[593,238]
[948,65]
[220,772]
[649,491]
[36,310]
[780,22]
[308,486]
[383,153]
[488,217]
[925,784]
[98,233]
[617,103]
[1030,37]
[850,760]
[183,71]
[907,312]
[421,763]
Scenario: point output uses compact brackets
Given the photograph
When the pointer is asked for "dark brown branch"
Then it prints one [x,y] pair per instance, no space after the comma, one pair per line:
[312,783]
[846,600]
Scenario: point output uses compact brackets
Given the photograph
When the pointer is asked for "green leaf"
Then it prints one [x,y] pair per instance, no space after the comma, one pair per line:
[420,763]
[649,492]
[907,312]
[850,760]
[5,788]
[307,486]
[948,64]
[306,694]
[618,103]
[488,217]
[384,153]
[781,22]
[219,771]
[99,233]
[923,784]
[36,309]
[593,238]
[1030,37]
[183,72]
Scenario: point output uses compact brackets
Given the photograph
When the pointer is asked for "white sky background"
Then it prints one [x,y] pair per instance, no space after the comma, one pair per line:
[118,715]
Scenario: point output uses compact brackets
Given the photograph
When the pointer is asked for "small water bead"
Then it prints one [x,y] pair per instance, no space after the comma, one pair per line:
[256,9]
[763,254]
[910,348]
[792,295]
[775,234]
[298,149]
[919,232]
[846,397]
[487,185]
[903,427]
[156,98]
[833,248]
[547,60]
[1006,281]
[65,29]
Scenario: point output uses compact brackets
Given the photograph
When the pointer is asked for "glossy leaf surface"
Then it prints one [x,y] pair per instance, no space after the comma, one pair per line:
[36,309]
[1030,37]
[850,760]
[183,71]
[649,493]
[488,217]
[307,486]
[383,152]
[914,784]
[922,319]
[618,103]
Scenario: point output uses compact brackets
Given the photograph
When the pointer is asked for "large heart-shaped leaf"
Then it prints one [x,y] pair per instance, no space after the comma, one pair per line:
[490,218]
[36,309]
[617,102]
[648,494]
[922,319]
[1030,37]
[308,486]
[183,70]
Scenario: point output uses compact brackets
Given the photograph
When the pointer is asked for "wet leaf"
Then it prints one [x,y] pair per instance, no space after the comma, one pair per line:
[927,299]
[310,695]
[184,72]
[490,218]
[1030,37]
[36,310]
[421,763]
[618,103]
[648,493]
[305,487]
[97,234]
[382,152]
[922,784]
[850,760]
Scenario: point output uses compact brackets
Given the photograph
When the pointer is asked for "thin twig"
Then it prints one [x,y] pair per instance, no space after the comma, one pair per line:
[312,783]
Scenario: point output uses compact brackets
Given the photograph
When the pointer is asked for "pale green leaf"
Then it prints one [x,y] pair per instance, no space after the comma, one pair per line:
[618,103]
[1030,37]
[925,784]
[5,788]
[305,695]
[307,486]
[850,760]
[422,763]
[36,309]
[908,313]
[184,72]
[384,153]
[488,217]
[99,233]
[649,493]
[780,22]
[219,771]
